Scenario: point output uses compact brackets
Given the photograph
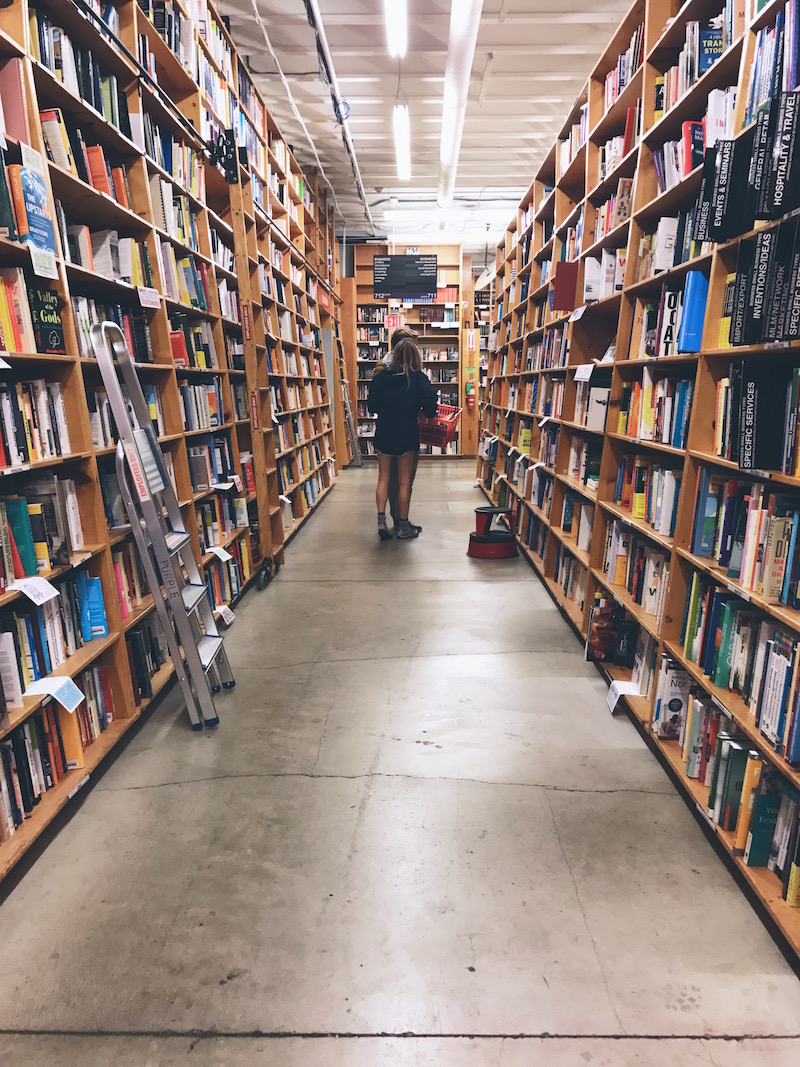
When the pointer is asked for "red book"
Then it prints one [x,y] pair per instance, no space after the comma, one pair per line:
[97,168]
[630,128]
[121,193]
[180,355]
[107,697]
[127,329]
[52,725]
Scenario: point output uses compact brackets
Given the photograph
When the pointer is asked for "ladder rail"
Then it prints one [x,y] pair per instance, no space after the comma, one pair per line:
[147,492]
[153,582]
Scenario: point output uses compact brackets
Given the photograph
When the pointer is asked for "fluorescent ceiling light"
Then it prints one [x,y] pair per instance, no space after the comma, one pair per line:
[401,123]
[465,18]
[396,16]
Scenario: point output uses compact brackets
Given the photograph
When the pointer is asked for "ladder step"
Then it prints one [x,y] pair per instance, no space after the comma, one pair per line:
[176,540]
[208,647]
[192,596]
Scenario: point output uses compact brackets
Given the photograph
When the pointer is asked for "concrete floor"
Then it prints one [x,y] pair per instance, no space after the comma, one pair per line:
[418,838]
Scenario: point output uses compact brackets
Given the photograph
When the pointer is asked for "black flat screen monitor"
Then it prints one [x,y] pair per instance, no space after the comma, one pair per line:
[404,277]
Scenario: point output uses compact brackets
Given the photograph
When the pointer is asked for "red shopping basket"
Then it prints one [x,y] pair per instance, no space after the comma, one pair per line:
[440,430]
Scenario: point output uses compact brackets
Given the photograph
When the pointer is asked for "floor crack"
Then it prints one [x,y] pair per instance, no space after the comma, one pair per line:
[584,916]
[385,774]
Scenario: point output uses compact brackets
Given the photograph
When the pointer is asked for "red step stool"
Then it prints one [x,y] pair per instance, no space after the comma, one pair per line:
[489,543]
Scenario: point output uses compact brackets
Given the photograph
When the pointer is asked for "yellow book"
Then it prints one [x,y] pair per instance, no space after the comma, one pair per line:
[23,407]
[722,386]
[136,262]
[640,472]
[723,340]
[34,35]
[39,534]
[793,888]
[71,738]
[687,730]
[22,634]
[8,342]
[752,776]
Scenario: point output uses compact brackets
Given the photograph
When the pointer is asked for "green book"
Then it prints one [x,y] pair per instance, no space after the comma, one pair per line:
[724,653]
[20,523]
[722,738]
[731,792]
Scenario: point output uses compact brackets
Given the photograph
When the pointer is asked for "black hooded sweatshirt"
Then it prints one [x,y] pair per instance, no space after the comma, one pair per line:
[397,400]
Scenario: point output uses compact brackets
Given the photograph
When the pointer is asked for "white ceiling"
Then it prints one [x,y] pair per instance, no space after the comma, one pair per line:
[531,60]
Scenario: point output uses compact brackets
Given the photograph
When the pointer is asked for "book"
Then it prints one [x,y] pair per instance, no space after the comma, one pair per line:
[693,312]
[45,312]
[31,207]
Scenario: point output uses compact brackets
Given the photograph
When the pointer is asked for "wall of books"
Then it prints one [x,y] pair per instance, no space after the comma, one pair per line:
[442,340]
[640,415]
[111,209]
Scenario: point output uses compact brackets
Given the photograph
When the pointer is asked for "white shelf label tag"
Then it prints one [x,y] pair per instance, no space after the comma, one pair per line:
[32,159]
[38,590]
[583,372]
[220,553]
[43,262]
[149,297]
[618,689]
[226,614]
[63,690]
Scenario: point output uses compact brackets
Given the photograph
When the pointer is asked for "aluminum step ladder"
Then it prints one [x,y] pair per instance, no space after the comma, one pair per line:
[350,424]
[164,543]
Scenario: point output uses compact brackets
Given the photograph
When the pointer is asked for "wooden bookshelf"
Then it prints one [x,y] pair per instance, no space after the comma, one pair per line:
[540,232]
[272,225]
[446,359]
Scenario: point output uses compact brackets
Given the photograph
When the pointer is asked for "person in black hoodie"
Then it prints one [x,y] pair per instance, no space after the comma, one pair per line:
[397,395]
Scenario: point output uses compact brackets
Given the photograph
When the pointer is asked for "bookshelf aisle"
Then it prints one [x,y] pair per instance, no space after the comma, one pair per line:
[222,291]
[442,341]
[640,408]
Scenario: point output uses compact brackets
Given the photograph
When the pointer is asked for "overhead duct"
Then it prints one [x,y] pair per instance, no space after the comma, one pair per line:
[465,19]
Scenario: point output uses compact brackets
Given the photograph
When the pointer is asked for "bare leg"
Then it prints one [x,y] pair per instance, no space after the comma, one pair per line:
[382,492]
[393,486]
[405,475]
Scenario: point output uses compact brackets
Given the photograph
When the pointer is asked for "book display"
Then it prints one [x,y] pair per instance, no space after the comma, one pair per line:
[435,318]
[111,209]
[640,410]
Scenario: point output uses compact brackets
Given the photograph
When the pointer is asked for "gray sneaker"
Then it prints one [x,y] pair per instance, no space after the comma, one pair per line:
[406,533]
[383,530]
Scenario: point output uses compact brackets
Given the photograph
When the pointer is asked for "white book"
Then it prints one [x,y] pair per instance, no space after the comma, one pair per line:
[9,672]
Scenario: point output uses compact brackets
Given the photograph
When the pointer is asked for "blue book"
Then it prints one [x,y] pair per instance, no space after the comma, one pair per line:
[97,608]
[37,668]
[704,516]
[46,665]
[680,414]
[36,227]
[719,602]
[790,559]
[83,605]
[695,295]
[711,46]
